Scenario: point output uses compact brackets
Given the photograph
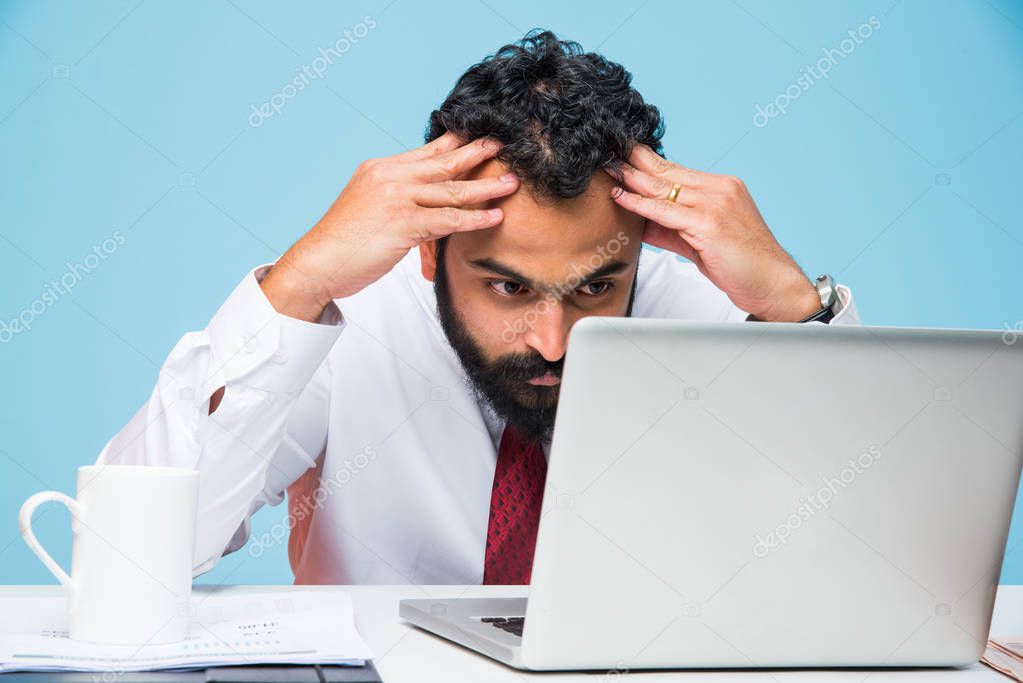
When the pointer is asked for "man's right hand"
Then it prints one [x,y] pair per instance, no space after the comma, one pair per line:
[389,206]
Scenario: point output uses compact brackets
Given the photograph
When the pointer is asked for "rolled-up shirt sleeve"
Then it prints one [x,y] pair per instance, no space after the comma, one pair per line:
[269,427]
[846,313]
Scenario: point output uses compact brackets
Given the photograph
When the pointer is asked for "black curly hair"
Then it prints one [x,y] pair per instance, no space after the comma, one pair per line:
[562,113]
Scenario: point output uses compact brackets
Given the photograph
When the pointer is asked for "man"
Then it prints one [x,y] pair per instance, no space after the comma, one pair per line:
[396,371]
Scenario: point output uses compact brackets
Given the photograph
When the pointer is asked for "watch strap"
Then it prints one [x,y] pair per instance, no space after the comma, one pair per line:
[824,315]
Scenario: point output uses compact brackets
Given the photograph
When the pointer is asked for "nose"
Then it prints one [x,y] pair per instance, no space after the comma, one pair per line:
[548,335]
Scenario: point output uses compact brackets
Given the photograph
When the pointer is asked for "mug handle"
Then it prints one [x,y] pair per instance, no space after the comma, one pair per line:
[25,525]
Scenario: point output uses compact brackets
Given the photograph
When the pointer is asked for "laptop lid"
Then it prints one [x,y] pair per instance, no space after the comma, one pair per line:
[750,495]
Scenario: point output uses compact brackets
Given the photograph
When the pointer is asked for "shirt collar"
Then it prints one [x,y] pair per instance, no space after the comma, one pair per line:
[495,426]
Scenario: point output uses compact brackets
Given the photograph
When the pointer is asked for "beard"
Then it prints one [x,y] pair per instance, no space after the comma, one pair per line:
[503,382]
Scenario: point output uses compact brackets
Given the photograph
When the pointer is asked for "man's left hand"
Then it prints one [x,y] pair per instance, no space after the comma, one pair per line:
[715,224]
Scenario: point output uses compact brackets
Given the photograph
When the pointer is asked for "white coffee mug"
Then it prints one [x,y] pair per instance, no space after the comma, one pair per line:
[131,559]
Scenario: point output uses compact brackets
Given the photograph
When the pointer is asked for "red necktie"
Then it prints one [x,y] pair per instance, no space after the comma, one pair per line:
[514,510]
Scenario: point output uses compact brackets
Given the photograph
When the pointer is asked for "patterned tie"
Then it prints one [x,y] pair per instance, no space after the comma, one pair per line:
[514,510]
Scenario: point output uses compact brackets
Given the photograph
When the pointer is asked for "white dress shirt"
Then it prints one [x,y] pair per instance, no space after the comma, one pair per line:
[378,399]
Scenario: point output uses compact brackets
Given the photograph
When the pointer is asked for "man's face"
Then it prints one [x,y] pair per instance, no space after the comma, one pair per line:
[508,296]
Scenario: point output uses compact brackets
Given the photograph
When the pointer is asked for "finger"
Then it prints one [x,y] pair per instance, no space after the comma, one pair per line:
[465,192]
[445,143]
[434,223]
[665,238]
[657,187]
[450,165]
[648,161]
[668,214]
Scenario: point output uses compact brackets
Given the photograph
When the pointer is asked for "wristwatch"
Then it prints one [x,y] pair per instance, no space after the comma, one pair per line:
[827,290]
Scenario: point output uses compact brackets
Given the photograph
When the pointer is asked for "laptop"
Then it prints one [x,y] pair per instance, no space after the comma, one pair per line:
[725,495]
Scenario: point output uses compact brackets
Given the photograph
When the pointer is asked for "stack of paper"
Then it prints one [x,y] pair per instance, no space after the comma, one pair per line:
[1005,655]
[299,627]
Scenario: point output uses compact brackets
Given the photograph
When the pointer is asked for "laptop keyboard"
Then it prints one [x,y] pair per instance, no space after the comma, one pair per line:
[512,625]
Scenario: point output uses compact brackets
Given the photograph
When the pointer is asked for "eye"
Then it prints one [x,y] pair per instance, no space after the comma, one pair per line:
[595,288]
[506,287]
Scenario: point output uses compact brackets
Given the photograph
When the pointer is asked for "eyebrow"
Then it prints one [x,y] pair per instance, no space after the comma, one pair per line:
[609,268]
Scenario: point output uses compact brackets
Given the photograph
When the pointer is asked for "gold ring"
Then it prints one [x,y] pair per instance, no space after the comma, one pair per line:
[673,195]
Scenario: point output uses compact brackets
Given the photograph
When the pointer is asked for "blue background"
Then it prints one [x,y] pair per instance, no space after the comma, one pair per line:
[899,173]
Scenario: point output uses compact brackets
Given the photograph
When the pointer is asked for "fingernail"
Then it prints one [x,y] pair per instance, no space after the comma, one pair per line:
[494,213]
[508,178]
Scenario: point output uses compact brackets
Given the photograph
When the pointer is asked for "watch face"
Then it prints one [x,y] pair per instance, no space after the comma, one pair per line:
[826,289]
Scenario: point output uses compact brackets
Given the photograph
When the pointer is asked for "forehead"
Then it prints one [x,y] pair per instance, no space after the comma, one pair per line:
[543,236]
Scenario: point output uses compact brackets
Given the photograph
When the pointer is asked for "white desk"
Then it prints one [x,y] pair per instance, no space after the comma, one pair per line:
[405,653]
